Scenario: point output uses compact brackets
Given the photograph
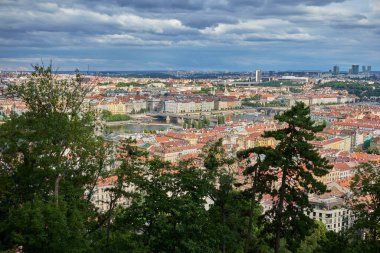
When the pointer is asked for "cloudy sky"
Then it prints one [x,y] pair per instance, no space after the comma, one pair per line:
[190,34]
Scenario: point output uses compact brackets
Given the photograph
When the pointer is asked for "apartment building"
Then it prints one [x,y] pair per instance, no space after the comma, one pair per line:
[102,194]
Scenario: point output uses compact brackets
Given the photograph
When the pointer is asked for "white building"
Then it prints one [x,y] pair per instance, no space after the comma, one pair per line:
[330,209]
[258,76]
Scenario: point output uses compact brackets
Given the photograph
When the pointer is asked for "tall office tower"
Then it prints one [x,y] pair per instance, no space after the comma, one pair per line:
[258,75]
[355,69]
[369,68]
[336,70]
[363,69]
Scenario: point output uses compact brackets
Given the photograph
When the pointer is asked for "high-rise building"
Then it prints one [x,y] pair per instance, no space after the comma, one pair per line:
[369,68]
[363,69]
[335,70]
[258,75]
[355,69]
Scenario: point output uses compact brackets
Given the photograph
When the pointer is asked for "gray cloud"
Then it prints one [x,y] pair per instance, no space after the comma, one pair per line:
[107,24]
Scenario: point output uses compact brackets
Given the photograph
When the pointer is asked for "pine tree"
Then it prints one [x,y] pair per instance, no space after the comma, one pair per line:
[297,165]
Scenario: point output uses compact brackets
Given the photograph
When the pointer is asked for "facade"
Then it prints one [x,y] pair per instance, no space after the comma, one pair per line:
[355,69]
[174,154]
[335,71]
[170,106]
[103,194]
[154,105]
[342,143]
[332,212]
[258,76]
[135,106]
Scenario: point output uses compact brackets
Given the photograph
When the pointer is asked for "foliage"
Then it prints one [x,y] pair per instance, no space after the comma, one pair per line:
[169,209]
[293,163]
[278,84]
[135,84]
[109,117]
[258,182]
[48,155]
[373,150]
[221,120]
[274,103]
[148,131]
[359,89]
[295,90]
[365,186]
[202,91]
[311,242]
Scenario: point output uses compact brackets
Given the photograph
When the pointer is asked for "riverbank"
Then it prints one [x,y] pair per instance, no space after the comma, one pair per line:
[129,122]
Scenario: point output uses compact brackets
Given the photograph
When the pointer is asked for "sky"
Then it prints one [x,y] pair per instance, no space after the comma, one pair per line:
[226,35]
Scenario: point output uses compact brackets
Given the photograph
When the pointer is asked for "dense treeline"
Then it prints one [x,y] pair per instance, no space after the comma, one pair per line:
[109,117]
[275,83]
[51,161]
[359,89]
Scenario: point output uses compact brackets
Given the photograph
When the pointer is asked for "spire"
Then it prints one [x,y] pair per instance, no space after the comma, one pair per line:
[226,93]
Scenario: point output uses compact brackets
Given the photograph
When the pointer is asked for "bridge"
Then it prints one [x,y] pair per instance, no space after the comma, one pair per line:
[212,115]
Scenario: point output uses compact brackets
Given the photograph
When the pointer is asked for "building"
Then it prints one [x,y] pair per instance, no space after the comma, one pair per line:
[330,208]
[136,105]
[355,69]
[335,70]
[342,143]
[170,106]
[369,69]
[103,194]
[258,76]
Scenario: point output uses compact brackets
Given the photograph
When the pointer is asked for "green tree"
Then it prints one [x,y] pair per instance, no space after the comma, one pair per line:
[365,186]
[50,160]
[168,208]
[220,174]
[221,120]
[373,150]
[258,163]
[295,168]
[311,242]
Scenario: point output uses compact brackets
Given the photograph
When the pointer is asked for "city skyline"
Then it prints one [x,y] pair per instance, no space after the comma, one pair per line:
[190,35]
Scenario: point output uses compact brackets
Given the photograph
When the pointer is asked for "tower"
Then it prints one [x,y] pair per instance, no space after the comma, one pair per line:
[355,69]
[336,70]
[258,76]
[226,93]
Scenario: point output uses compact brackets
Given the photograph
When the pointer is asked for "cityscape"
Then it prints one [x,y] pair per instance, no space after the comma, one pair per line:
[190,126]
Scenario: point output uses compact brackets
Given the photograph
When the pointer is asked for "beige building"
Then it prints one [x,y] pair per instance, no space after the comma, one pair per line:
[135,106]
[342,143]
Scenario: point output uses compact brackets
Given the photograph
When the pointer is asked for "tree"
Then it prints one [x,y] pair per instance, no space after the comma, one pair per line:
[373,150]
[365,186]
[221,120]
[258,163]
[220,174]
[311,242]
[295,169]
[50,157]
[167,211]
